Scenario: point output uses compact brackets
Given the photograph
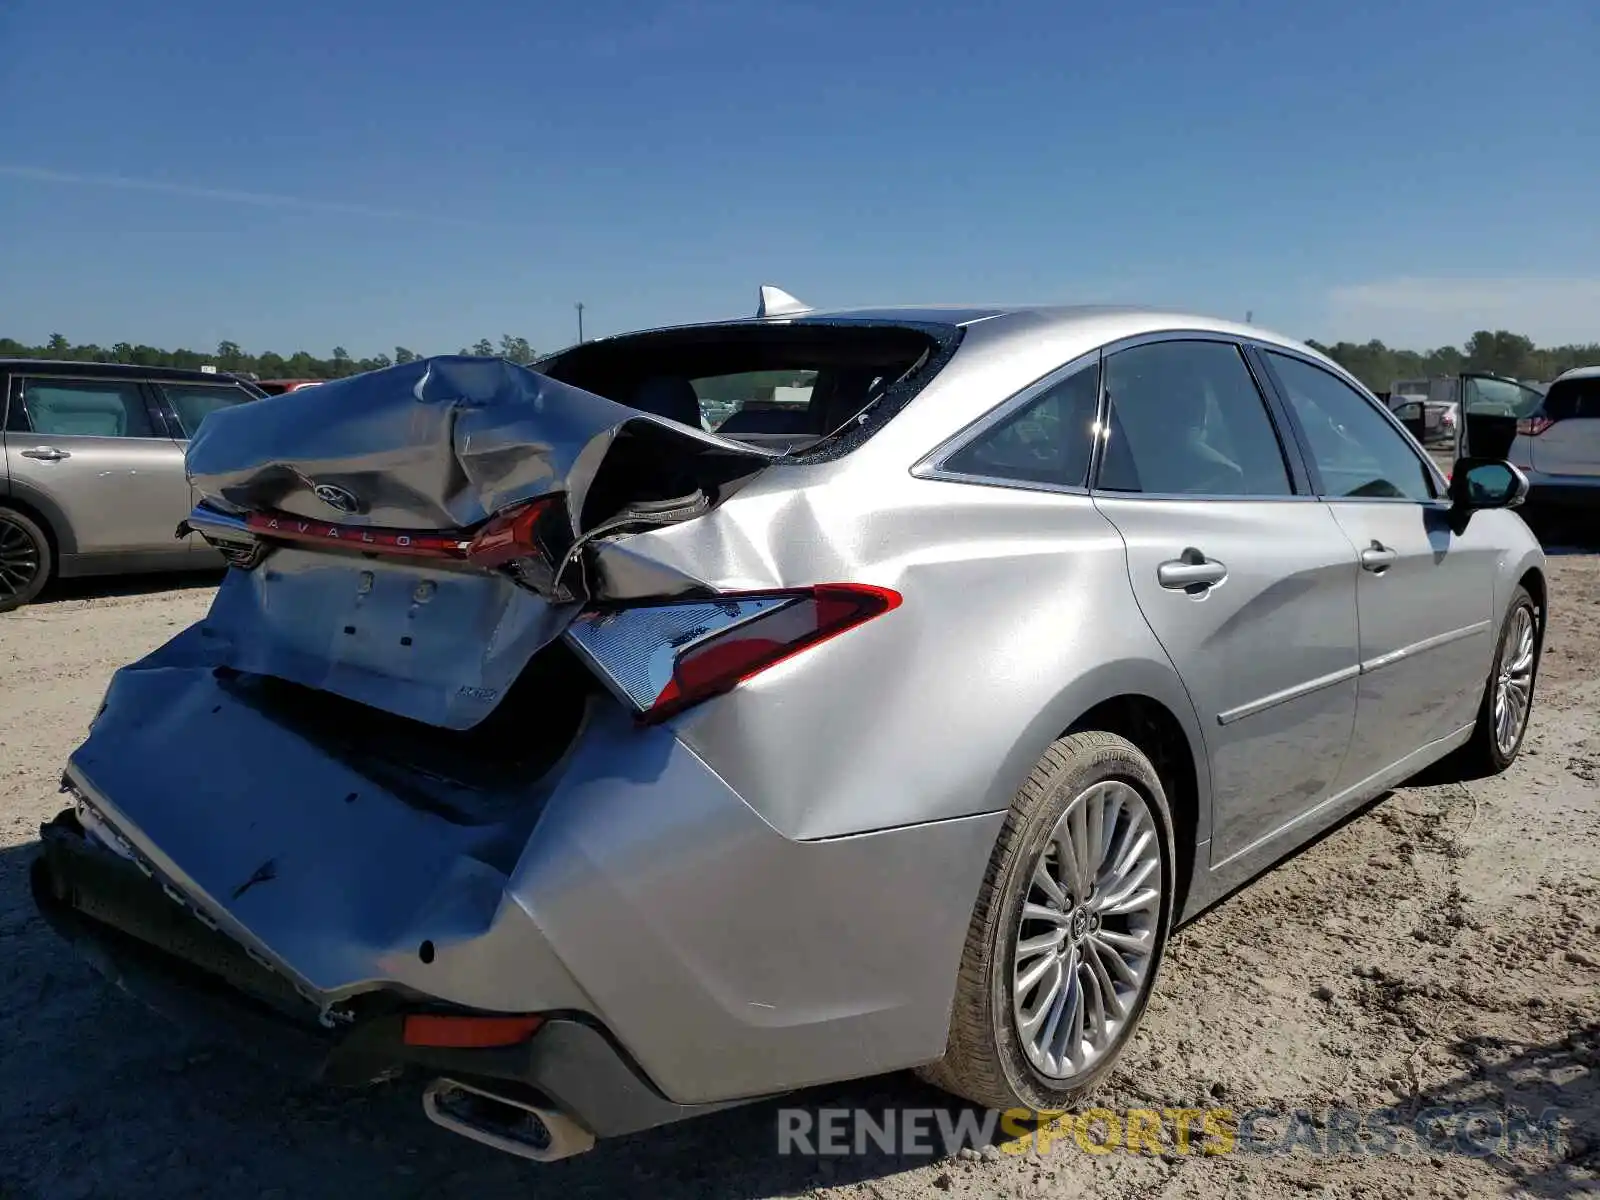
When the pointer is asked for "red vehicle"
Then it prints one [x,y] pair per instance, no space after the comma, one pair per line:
[276,387]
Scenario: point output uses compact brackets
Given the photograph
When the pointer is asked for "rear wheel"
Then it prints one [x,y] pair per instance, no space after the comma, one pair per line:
[25,559]
[1507,701]
[1068,933]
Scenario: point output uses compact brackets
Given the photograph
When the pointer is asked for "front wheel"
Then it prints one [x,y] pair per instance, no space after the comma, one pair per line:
[1068,932]
[1507,703]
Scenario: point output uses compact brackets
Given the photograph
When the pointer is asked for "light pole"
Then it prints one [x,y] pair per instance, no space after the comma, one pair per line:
[580,322]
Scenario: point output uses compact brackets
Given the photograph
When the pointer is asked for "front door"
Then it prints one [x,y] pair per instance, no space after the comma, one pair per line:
[1491,408]
[1425,592]
[92,447]
[1246,579]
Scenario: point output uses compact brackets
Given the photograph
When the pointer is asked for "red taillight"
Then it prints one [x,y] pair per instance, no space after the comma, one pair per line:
[509,535]
[1533,426]
[664,658]
[463,1032]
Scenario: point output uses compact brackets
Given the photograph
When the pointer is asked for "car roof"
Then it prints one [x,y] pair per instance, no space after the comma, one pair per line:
[1580,373]
[1004,321]
[1073,328]
[95,370]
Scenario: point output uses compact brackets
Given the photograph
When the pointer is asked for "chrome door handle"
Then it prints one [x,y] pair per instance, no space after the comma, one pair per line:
[1192,573]
[46,454]
[1377,558]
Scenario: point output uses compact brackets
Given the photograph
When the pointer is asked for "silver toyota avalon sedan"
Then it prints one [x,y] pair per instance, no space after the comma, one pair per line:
[719,710]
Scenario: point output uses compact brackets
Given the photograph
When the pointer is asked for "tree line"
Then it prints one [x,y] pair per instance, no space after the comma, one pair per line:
[1497,353]
[1378,366]
[229,356]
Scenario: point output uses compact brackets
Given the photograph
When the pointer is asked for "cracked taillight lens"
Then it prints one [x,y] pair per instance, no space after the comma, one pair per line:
[662,658]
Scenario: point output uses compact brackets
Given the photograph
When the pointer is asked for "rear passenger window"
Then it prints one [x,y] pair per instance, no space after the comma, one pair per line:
[86,408]
[1046,441]
[194,402]
[1186,419]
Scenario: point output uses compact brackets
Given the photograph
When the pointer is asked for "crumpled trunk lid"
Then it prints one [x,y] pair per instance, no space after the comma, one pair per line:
[339,483]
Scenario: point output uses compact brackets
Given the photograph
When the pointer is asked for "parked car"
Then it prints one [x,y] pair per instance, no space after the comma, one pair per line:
[91,469]
[1431,422]
[604,771]
[276,387]
[1554,433]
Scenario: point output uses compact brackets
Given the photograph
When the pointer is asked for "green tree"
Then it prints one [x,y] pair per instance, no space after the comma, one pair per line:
[516,349]
[402,355]
[1499,353]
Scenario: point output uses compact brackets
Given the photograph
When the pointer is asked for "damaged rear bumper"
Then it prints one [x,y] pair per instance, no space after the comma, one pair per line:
[151,946]
[662,926]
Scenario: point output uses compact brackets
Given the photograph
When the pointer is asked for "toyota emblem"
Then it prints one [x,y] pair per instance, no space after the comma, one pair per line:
[336,498]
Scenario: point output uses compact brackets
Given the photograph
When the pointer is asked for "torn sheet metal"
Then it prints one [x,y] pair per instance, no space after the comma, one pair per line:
[444,443]
[441,443]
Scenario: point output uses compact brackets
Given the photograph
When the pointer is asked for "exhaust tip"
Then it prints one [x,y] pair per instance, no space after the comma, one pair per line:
[526,1130]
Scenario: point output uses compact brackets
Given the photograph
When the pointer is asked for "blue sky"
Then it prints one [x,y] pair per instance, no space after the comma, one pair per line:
[300,174]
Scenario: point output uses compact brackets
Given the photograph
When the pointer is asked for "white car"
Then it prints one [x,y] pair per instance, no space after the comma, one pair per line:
[1556,441]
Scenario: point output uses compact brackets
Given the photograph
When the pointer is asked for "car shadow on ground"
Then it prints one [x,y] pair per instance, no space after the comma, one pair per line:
[100,1097]
[99,587]
[1565,533]
[1547,1096]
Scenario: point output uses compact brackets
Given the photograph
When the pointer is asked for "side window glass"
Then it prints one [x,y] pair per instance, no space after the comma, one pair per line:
[1186,419]
[86,408]
[1046,441]
[194,402]
[1358,453]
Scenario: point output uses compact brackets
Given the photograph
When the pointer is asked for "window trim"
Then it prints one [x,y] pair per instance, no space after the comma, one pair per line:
[158,423]
[1300,482]
[1441,489]
[932,464]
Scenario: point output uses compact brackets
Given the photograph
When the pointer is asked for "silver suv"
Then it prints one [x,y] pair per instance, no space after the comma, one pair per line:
[91,469]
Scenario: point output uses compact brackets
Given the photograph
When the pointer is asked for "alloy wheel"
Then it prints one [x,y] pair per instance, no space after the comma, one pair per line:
[1513,693]
[19,560]
[1086,943]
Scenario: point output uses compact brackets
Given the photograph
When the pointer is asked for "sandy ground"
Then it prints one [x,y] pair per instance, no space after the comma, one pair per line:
[1443,949]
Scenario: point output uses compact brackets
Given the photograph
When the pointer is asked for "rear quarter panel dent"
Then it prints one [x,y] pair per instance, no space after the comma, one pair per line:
[1017,619]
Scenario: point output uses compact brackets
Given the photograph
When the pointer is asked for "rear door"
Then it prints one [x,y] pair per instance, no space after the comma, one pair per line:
[1244,576]
[96,449]
[1425,591]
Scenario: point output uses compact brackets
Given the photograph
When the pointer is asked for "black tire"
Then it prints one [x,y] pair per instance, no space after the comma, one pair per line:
[984,1059]
[1483,755]
[25,559]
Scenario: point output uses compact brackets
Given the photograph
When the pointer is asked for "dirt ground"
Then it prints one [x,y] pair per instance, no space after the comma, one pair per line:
[1440,950]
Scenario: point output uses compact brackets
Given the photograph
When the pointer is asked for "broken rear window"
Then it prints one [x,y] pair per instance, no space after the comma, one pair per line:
[815,387]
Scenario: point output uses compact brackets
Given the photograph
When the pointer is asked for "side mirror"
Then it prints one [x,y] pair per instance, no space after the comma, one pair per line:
[1486,483]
